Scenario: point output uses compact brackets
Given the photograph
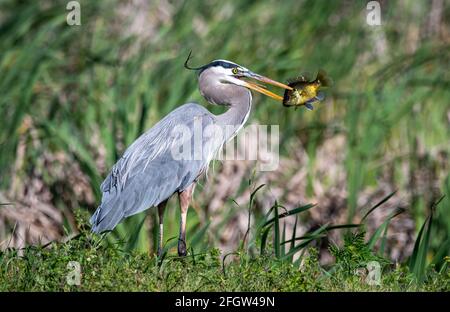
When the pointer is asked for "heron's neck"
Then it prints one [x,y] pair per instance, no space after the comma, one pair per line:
[236,116]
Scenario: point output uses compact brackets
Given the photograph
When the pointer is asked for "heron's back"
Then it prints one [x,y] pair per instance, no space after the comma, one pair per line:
[157,165]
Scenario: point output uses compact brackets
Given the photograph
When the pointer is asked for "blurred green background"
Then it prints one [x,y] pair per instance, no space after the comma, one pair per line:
[72,98]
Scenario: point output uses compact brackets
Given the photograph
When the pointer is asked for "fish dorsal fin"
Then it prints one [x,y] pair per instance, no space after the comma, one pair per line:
[294,80]
[303,77]
[306,76]
[291,80]
[324,79]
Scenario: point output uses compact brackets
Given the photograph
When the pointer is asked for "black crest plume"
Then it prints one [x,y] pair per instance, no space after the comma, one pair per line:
[187,61]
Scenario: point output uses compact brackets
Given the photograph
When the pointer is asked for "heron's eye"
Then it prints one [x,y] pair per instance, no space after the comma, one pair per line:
[235,70]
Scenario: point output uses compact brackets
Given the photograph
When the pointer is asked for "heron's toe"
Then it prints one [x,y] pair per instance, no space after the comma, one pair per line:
[182,248]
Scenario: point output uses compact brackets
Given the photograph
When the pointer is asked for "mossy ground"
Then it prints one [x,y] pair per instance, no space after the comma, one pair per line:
[107,268]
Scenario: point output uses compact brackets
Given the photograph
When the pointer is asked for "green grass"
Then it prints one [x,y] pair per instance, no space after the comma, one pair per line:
[110,267]
[107,268]
[87,92]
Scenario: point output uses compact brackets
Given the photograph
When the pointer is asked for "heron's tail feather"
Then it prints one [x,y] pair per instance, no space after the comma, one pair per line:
[117,206]
[105,219]
[107,216]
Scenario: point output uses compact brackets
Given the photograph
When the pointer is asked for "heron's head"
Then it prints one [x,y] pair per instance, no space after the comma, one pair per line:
[222,81]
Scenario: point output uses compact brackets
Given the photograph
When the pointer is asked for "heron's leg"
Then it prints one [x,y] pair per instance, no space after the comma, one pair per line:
[161,208]
[184,198]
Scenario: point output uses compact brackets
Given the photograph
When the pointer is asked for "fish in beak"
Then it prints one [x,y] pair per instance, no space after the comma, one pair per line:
[307,91]
[262,88]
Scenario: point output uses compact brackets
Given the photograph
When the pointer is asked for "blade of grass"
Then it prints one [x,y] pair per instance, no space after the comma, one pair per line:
[385,199]
[264,236]
[294,233]
[199,235]
[134,238]
[326,229]
[283,238]
[414,256]
[276,229]
[288,213]
[314,235]
[380,230]
[418,260]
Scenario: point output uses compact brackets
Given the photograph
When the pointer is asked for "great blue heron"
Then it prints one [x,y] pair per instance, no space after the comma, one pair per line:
[148,173]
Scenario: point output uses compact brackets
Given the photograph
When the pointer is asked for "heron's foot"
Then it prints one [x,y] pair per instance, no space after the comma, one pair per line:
[182,248]
[160,252]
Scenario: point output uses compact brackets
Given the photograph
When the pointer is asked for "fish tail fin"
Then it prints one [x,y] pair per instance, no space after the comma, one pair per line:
[324,79]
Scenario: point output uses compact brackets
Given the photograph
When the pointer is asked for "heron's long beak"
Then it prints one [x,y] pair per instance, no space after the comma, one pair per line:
[262,89]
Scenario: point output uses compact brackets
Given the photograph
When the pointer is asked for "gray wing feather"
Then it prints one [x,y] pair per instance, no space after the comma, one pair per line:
[147,174]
